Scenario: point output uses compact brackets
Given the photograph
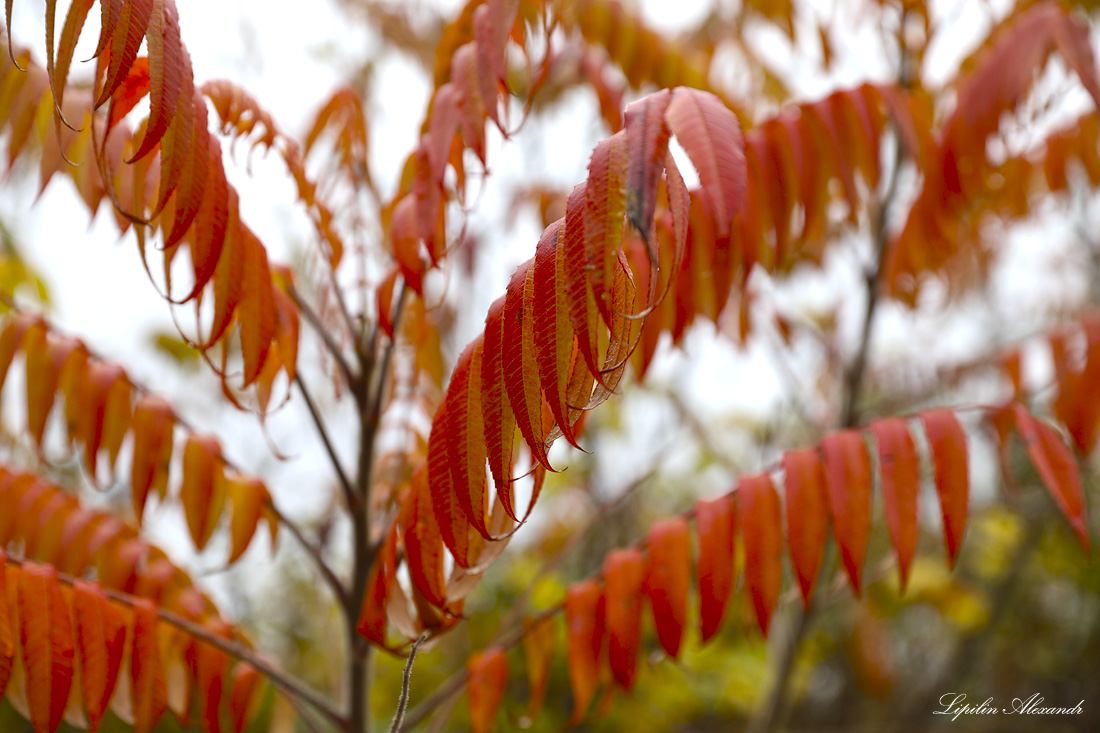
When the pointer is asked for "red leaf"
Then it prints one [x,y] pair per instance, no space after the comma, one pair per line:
[947,441]
[647,136]
[500,422]
[711,136]
[578,294]
[605,205]
[100,638]
[488,676]
[763,538]
[46,638]
[668,578]
[147,684]
[1057,467]
[552,332]
[406,243]
[242,698]
[450,519]
[423,543]
[464,440]
[716,525]
[899,475]
[623,574]
[7,640]
[372,615]
[848,478]
[167,65]
[257,307]
[584,620]
[125,40]
[804,483]
[520,366]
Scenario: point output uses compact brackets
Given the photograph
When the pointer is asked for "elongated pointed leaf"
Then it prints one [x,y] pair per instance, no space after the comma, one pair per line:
[245,683]
[848,479]
[605,206]
[464,441]
[578,293]
[584,621]
[807,514]
[488,677]
[899,476]
[46,638]
[152,425]
[100,638]
[716,525]
[647,137]
[711,135]
[624,574]
[147,684]
[201,494]
[500,422]
[1057,468]
[947,441]
[668,579]
[763,537]
[520,362]
[423,543]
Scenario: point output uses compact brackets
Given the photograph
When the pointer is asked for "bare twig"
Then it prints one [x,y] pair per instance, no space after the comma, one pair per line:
[280,679]
[314,320]
[403,700]
[314,552]
[350,495]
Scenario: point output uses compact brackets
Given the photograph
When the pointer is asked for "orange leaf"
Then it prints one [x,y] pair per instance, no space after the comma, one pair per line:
[605,205]
[848,478]
[578,294]
[243,696]
[1057,468]
[711,136]
[488,676]
[623,575]
[763,538]
[46,638]
[647,136]
[520,369]
[539,641]
[947,441]
[441,495]
[147,684]
[201,494]
[464,438]
[100,638]
[248,498]
[668,579]
[716,525]
[7,641]
[152,425]
[423,543]
[899,476]
[584,620]
[500,422]
[257,307]
[804,483]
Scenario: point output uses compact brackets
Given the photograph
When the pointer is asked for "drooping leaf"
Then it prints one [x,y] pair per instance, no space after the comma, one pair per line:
[152,427]
[147,683]
[520,367]
[46,639]
[899,476]
[848,479]
[584,622]
[763,538]
[488,677]
[716,525]
[711,135]
[947,442]
[668,579]
[242,698]
[1057,468]
[807,514]
[624,574]
[500,422]
[647,137]
[539,641]
[100,638]
[201,494]
[605,206]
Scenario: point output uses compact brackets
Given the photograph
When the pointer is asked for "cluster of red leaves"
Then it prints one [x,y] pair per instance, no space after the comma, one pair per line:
[958,174]
[827,487]
[102,408]
[49,621]
[167,176]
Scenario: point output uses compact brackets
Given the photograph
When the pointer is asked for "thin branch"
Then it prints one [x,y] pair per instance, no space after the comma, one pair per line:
[349,491]
[314,552]
[403,700]
[280,679]
[315,321]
